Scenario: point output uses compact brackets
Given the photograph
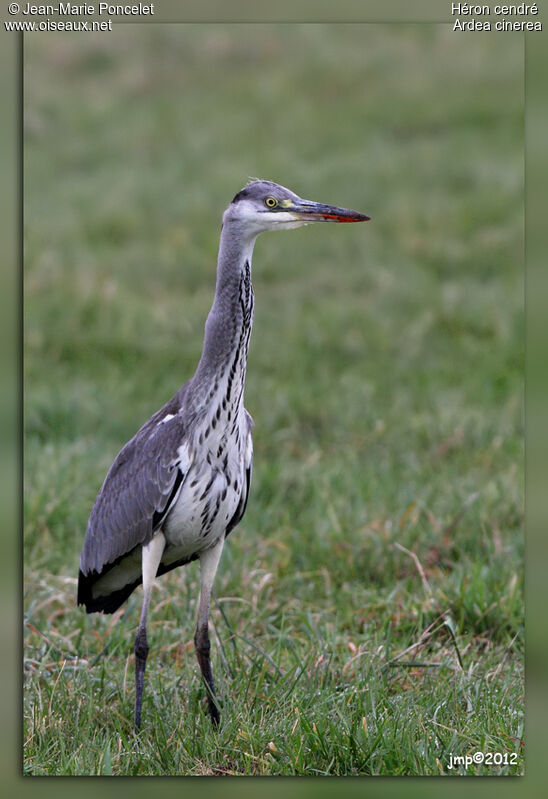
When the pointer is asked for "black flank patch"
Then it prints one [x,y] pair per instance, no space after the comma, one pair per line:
[159,516]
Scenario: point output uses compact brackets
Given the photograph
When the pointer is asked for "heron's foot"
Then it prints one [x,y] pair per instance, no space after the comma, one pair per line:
[214,711]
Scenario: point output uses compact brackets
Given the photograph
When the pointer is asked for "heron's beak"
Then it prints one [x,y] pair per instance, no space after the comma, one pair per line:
[307,211]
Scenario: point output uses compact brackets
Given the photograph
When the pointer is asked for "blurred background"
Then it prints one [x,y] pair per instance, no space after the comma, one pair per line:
[385,378]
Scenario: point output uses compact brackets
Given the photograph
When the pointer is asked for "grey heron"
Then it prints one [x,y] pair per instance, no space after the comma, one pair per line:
[180,485]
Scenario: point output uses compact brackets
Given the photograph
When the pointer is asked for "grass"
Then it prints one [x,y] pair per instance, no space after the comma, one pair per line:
[368,614]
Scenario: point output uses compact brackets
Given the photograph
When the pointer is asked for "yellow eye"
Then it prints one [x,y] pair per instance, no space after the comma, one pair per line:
[271,202]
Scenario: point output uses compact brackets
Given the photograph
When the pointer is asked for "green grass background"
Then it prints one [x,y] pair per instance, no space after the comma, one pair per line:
[385,379]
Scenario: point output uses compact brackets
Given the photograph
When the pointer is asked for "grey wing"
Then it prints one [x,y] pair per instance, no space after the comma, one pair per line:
[138,490]
[240,510]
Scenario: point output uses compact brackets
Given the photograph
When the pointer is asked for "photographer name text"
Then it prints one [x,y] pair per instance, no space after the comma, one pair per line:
[101,9]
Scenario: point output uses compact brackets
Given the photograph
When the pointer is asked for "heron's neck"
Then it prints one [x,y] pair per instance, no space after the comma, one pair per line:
[223,362]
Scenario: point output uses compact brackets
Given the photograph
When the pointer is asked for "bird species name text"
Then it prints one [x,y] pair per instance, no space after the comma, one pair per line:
[499,10]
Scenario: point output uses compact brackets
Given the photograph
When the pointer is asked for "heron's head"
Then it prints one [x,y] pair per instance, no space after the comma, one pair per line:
[263,205]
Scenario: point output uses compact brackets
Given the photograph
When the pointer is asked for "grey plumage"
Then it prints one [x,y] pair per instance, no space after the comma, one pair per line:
[131,504]
[181,484]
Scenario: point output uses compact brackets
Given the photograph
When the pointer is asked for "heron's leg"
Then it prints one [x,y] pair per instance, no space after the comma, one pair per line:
[152,554]
[209,560]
